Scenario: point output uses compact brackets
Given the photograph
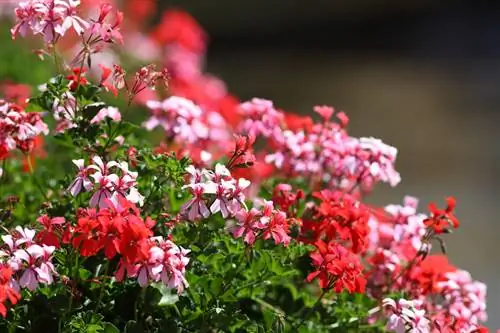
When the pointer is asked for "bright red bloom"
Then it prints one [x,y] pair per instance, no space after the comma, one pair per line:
[88,233]
[429,272]
[77,78]
[337,268]
[105,75]
[296,122]
[52,231]
[339,216]
[442,219]
[286,199]
[7,293]
[133,244]
[179,27]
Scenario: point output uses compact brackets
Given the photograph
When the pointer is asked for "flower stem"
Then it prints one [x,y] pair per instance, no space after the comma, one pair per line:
[35,179]
[311,310]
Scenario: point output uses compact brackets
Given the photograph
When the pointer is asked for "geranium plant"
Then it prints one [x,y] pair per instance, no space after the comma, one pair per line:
[160,203]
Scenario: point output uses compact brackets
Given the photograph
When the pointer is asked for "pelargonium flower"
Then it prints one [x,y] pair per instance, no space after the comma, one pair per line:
[107,112]
[260,117]
[82,181]
[180,118]
[218,187]
[108,32]
[327,152]
[31,262]
[405,316]
[338,216]
[18,129]
[442,219]
[8,293]
[336,268]
[50,18]
[112,181]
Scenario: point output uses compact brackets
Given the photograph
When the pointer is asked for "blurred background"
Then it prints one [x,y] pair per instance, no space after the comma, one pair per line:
[422,75]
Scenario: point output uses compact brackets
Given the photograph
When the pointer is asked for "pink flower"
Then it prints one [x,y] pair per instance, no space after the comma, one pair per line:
[196,207]
[247,225]
[50,18]
[261,118]
[107,112]
[405,315]
[37,266]
[81,182]
[221,202]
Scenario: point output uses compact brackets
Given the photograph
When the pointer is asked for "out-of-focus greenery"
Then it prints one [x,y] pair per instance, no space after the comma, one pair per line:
[18,63]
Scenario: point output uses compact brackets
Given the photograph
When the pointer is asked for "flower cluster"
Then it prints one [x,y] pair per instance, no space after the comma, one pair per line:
[50,18]
[399,245]
[284,177]
[266,222]
[338,217]
[327,150]
[112,180]
[29,261]
[464,298]
[18,129]
[260,118]
[405,316]
[395,238]
[336,268]
[216,189]
[187,125]
[120,231]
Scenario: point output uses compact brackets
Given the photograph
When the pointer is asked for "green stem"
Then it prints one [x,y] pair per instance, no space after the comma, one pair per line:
[311,310]
[35,179]
[101,291]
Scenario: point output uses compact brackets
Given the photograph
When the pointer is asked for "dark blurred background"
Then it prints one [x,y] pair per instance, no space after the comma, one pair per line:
[421,75]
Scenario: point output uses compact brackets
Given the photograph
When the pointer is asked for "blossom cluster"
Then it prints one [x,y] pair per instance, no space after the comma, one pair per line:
[266,222]
[29,261]
[120,230]
[318,178]
[325,149]
[216,189]
[18,128]
[50,18]
[111,180]
[399,246]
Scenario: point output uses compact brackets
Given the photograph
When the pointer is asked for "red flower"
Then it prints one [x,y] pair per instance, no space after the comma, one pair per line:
[339,216]
[77,78]
[442,219]
[429,272]
[88,233]
[179,27]
[52,231]
[7,293]
[133,244]
[337,268]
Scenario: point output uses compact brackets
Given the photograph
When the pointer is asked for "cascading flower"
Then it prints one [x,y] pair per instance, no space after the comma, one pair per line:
[112,181]
[218,187]
[49,18]
[18,129]
[336,268]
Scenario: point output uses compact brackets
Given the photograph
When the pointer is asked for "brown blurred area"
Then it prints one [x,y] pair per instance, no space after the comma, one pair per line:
[421,75]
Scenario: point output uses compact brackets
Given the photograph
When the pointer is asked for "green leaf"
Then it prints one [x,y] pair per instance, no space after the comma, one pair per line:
[110,328]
